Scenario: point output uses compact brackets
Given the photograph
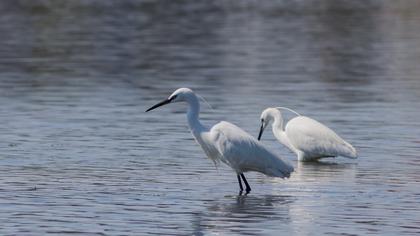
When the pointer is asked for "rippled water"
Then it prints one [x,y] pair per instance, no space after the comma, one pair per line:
[79,155]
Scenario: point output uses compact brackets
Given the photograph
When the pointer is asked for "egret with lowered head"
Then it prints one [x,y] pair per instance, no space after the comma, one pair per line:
[306,137]
[228,143]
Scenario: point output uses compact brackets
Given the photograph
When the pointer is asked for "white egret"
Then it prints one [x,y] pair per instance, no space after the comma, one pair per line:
[306,137]
[228,143]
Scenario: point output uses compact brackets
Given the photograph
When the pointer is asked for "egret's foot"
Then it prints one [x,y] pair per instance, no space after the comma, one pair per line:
[247,190]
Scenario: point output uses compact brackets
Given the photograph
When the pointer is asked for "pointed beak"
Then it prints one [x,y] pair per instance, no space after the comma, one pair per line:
[261,130]
[164,102]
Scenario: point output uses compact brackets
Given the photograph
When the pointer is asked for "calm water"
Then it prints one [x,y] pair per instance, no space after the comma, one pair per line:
[80,156]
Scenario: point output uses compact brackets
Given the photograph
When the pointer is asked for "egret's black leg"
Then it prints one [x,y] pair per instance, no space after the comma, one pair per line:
[240,184]
[248,188]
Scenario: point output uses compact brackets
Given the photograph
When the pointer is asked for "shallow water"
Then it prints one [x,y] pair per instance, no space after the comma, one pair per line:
[80,156]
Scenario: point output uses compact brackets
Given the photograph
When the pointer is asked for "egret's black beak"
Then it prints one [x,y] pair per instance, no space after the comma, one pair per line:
[261,130]
[164,102]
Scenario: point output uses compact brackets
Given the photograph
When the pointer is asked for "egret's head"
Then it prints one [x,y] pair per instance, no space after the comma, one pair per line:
[180,95]
[267,116]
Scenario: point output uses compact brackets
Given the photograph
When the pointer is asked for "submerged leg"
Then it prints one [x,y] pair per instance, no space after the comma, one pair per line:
[248,188]
[240,184]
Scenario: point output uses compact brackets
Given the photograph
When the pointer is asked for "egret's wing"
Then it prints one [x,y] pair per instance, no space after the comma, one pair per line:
[310,136]
[243,152]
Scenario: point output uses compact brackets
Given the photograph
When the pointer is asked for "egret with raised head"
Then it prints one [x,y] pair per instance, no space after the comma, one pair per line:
[228,143]
[306,137]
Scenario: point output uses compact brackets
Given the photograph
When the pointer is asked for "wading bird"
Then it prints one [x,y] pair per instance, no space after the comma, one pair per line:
[306,137]
[228,143]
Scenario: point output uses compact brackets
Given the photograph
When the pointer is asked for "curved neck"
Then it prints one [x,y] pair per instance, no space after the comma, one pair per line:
[280,134]
[278,122]
[277,127]
[193,113]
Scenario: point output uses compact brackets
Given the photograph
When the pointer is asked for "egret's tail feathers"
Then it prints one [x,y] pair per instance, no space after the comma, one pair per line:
[278,173]
[350,151]
[283,171]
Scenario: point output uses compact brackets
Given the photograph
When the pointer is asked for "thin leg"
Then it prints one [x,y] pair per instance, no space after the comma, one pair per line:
[240,184]
[248,188]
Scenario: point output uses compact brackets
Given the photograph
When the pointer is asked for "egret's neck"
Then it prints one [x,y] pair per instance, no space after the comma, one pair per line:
[277,127]
[280,134]
[193,114]
[278,123]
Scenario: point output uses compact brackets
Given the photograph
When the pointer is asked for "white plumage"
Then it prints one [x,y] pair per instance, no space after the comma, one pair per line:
[306,137]
[228,143]
[243,153]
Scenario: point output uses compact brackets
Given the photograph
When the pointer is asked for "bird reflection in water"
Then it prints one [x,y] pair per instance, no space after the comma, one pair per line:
[242,213]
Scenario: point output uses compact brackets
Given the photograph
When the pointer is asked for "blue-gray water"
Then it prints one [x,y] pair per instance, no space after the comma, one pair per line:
[78,155]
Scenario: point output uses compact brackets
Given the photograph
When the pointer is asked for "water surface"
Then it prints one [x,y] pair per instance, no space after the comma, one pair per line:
[80,156]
